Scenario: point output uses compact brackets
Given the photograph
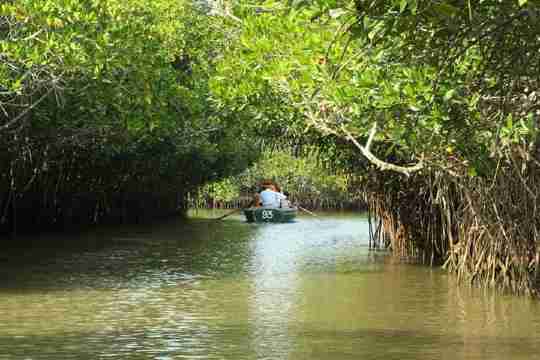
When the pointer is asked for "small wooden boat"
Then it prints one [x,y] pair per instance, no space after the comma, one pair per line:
[272,215]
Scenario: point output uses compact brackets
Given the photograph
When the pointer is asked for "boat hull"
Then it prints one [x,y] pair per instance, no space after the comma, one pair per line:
[270,215]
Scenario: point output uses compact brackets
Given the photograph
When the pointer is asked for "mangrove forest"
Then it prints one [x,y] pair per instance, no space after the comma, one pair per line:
[425,114]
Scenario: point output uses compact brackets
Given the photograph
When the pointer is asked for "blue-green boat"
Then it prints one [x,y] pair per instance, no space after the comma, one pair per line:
[270,215]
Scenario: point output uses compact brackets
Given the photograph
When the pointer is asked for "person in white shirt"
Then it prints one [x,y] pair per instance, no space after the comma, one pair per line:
[285,203]
[269,197]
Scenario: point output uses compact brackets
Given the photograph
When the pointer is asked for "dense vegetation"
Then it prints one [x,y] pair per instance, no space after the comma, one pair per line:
[105,113]
[113,109]
[308,180]
[440,100]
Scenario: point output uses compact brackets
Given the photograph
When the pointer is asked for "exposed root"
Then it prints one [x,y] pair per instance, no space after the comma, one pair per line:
[486,231]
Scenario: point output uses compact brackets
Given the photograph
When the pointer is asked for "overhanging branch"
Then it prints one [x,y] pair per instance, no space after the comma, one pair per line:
[324,126]
[383,165]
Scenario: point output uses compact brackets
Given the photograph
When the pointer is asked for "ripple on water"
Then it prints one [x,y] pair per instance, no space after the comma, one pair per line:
[231,290]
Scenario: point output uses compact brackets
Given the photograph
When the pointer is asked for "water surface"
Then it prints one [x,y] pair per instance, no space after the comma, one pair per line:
[204,289]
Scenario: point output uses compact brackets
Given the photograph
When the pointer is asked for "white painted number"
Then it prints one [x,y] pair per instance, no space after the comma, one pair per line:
[267,214]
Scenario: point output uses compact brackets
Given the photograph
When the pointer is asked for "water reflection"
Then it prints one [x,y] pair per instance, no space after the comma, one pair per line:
[273,269]
[231,290]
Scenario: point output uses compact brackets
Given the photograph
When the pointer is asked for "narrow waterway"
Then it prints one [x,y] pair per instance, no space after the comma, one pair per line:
[204,289]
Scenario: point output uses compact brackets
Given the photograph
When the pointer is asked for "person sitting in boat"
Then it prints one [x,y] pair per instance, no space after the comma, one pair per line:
[269,197]
[283,198]
[285,203]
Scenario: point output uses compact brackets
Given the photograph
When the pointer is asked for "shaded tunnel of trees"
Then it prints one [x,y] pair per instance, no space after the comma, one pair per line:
[115,111]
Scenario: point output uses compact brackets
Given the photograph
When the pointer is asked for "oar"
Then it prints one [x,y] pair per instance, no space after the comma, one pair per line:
[309,212]
[234,211]
[229,213]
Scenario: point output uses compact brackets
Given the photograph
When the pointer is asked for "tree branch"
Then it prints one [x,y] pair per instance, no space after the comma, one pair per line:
[323,126]
[26,111]
[383,165]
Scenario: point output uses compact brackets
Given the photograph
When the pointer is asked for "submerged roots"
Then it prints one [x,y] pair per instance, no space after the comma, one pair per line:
[485,230]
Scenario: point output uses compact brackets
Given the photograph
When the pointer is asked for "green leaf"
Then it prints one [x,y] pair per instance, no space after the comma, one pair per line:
[522,2]
[449,94]
[509,122]
[403,5]
[335,13]
[414,6]
[446,9]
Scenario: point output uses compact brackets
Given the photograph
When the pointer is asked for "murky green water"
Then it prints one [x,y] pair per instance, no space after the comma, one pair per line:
[231,290]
